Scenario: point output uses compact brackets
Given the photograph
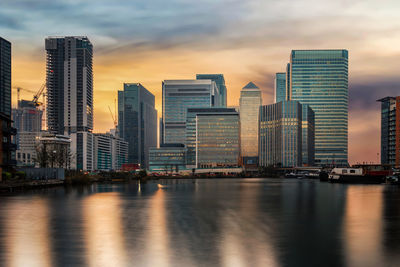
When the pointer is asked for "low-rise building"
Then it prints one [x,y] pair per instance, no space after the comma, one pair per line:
[168,158]
[110,152]
[7,148]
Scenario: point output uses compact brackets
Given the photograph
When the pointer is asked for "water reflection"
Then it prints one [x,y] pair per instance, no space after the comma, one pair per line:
[240,222]
[104,237]
[27,237]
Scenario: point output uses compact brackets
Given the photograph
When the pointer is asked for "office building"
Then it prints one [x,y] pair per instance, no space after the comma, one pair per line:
[168,158]
[319,78]
[217,138]
[7,147]
[220,82]
[137,122]
[26,148]
[280,140]
[280,87]
[390,130]
[308,136]
[110,152]
[69,77]
[250,102]
[178,96]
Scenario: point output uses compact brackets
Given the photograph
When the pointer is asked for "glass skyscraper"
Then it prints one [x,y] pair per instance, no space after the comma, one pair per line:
[217,138]
[390,130]
[250,102]
[220,82]
[178,96]
[280,87]
[137,121]
[308,136]
[319,78]
[280,141]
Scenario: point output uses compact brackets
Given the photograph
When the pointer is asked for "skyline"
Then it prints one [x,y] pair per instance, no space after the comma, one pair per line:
[244,41]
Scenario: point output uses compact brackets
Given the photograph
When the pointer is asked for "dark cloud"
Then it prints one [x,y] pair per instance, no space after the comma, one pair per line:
[364,94]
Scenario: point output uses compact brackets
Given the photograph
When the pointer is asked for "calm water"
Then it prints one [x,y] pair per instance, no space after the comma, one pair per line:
[246,222]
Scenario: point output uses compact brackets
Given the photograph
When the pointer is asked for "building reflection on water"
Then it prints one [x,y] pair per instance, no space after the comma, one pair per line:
[103,231]
[244,222]
[27,239]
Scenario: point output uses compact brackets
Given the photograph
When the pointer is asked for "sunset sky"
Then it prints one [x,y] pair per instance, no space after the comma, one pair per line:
[152,40]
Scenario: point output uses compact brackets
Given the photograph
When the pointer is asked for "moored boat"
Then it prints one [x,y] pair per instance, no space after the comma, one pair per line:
[361,174]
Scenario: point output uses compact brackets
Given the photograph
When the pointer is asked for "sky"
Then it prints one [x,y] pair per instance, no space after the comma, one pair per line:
[149,41]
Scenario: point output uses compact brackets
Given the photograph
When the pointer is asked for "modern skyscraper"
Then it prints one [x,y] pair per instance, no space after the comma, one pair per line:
[280,134]
[217,138]
[178,96]
[280,87]
[137,121]
[5,77]
[390,130]
[69,77]
[308,136]
[319,78]
[250,102]
[220,82]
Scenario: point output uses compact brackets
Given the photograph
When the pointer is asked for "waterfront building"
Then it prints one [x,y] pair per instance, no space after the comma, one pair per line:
[54,151]
[26,148]
[287,81]
[280,93]
[250,102]
[220,82]
[216,138]
[69,78]
[177,97]
[319,78]
[390,130]
[110,152]
[280,137]
[7,148]
[168,158]
[137,121]
[308,136]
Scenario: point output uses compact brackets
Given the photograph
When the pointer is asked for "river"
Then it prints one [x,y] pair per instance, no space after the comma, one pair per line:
[211,222]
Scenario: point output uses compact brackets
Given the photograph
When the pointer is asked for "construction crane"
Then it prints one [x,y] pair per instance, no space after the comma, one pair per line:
[36,95]
[114,116]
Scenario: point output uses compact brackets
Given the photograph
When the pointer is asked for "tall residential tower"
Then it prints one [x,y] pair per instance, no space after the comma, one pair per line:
[69,77]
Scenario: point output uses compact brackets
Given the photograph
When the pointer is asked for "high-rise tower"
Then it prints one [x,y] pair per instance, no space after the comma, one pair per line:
[250,102]
[69,77]
[319,78]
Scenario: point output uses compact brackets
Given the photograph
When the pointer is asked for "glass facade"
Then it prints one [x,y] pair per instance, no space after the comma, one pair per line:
[137,121]
[319,78]
[389,116]
[220,82]
[167,158]
[250,102]
[280,141]
[280,87]
[5,77]
[217,139]
[308,136]
[178,96]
